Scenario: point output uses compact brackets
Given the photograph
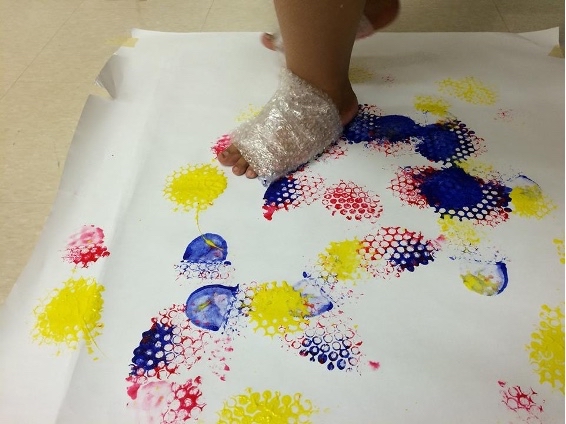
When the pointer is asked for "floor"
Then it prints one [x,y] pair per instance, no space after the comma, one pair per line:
[52,50]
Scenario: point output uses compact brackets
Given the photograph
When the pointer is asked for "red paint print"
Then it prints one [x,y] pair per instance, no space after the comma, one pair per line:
[407,182]
[352,202]
[523,403]
[185,402]
[86,247]
[374,365]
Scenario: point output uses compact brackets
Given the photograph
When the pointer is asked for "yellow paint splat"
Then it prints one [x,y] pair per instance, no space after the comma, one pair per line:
[195,187]
[530,202]
[278,308]
[546,350]
[70,314]
[432,104]
[481,284]
[560,247]
[359,75]
[479,169]
[267,407]
[463,234]
[342,259]
[468,89]
[249,113]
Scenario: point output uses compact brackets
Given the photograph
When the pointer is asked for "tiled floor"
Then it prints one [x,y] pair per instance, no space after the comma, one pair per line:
[51,51]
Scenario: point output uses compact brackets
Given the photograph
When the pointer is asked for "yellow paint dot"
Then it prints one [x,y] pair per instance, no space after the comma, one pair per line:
[195,187]
[267,407]
[546,350]
[481,284]
[468,89]
[432,104]
[249,113]
[530,202]
[463,234]
[560,247]
[359,75]
[278,308]
[72,313]
[342,259]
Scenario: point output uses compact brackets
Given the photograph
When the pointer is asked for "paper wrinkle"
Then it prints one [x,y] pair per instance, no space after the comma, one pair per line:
[297,123]
[110,77]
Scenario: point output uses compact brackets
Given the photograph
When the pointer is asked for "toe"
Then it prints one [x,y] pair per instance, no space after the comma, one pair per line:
[229,156]
[250,173]
[240,167]
[268,40]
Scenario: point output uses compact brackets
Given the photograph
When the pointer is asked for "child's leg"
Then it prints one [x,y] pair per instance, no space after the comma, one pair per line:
[319,36]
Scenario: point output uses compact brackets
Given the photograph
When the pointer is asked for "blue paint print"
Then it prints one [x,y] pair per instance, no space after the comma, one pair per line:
[209,307]
[503,276]
[316,299]
[335,352]
[207,248]
[446,142]
[155,350]
[282,191]
[369,128]
[407,256]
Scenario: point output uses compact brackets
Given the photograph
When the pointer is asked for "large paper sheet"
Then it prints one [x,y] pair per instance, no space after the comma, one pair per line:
[412,273]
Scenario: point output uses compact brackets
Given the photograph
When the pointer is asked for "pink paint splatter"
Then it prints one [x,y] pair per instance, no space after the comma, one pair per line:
[221,144]
[86,247]
[374,365]
[505,115]
[352,202]
[522,402]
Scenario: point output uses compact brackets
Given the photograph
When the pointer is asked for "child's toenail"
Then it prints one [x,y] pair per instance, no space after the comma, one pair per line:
[224,154]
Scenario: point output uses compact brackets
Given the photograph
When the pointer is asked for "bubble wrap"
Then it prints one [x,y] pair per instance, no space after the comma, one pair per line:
[298,123]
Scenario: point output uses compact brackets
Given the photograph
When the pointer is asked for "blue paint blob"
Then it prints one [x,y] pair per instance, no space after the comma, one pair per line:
[438,143]
[367,127]
[209,307]
[155,350]
[282,191]
[452,189]
[503,276]
[207,248]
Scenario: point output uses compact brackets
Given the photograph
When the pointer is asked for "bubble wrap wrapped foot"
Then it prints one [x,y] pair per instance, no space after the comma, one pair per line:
[297,124]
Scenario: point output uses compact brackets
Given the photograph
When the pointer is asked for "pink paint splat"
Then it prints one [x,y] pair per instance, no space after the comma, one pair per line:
[374,365]
[221,144]
[522,402]
[352,202]
[86,247]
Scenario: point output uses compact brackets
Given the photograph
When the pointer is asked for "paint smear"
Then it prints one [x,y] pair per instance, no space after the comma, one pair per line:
[71,314]
[468,89]
[342,260]
[249,113]
[168,402]
[486,279]
[352,202]
[277,308]
[266,407]
[560,249]
[291,192]
[432,104]
[523,403]
[546,350]
[205,258]
[195,187]
[530,202]
[209,307]
[360,74]
[86,247]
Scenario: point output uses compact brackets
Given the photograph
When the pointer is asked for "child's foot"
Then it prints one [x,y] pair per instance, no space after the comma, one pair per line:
[377,15]
[297,124]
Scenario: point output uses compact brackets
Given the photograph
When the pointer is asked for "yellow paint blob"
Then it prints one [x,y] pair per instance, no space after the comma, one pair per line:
[266,408]
[481,284]
[560,247]
[530,202]
[342,259]
[479,169]
[432,104]
[463,234]
[195,187]
[359,75]
[468,89]
[546,350]
[70,314]
[277,308]
[249,113]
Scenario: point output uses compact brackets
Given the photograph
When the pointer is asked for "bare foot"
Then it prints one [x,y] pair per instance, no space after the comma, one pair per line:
[379,13]
[347,104]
